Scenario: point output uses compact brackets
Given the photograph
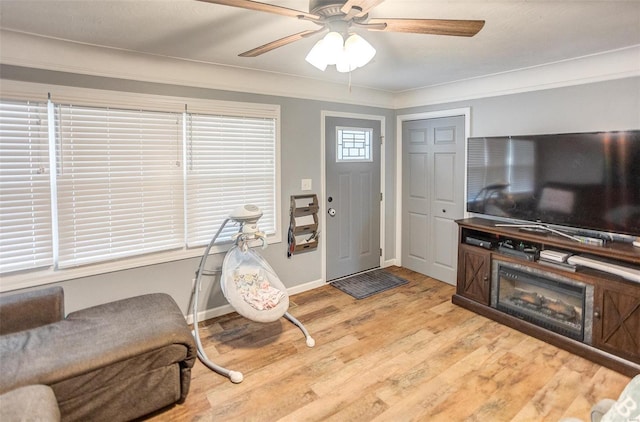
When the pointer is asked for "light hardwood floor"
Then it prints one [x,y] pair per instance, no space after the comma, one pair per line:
[407,354]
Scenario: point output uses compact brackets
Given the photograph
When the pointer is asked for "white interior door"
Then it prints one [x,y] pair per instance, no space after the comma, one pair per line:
[352,161]
[432,195]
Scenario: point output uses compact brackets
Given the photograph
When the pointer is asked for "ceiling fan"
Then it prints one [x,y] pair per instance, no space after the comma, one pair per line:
[339,16]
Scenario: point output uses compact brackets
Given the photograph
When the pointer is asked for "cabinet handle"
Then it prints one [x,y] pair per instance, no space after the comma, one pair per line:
[485,278]
[596,314]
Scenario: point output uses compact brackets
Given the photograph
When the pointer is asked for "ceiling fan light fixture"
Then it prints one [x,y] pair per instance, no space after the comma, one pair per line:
[347,55]
[317,56]
[333,47]
[359,51]
[326,51]
[344,63]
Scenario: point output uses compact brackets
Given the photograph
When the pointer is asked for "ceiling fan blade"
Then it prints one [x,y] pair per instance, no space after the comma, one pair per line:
[363,5]
[263,7]
[279,43]
[459,28]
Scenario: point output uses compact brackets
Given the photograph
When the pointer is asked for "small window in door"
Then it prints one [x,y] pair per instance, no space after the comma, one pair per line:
[353,144]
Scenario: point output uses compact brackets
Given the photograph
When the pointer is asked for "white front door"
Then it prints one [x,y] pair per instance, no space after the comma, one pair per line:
[352,168]
[432,195]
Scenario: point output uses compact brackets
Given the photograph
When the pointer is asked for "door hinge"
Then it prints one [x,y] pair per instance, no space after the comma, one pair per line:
[381,139]
[380,251]
[381,198]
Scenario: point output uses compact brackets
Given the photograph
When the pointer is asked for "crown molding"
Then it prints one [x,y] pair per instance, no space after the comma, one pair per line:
[609,65]
[28,50]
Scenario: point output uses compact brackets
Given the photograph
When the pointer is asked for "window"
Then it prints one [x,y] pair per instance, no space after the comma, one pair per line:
[353,144]
[150,180]
[231,161]
[25,207]
[119,183]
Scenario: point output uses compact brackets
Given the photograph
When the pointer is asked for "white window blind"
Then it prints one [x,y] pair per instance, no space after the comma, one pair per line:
[476,173]
[487,165]
[231,162]
[119,183]
[510,161]
[522,159]
[25,207]
[95,179]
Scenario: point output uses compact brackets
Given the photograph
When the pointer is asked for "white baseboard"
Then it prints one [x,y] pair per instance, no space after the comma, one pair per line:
[210,313]
[391,263]
[227,309]
[306,287]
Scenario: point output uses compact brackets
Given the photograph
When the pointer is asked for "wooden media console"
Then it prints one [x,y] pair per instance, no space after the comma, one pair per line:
[592,313]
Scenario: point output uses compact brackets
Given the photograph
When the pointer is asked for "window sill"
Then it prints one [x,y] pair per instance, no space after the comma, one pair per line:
[26,279]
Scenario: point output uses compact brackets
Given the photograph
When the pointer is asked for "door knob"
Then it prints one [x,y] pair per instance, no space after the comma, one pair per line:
[332,212]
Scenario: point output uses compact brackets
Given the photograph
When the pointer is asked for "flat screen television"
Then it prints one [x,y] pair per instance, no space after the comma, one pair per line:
[584,181]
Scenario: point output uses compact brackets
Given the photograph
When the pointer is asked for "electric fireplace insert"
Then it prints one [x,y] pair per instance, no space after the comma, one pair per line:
[546,299]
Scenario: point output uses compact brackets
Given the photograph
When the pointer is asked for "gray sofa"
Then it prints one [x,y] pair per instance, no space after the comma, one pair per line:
[112,362]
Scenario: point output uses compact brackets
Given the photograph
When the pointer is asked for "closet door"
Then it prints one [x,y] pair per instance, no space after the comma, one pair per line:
[433,195]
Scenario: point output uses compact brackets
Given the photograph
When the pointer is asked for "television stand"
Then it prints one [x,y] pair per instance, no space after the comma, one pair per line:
[592,313]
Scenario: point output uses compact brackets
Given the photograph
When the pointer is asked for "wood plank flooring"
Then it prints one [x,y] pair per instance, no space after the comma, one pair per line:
[407,354]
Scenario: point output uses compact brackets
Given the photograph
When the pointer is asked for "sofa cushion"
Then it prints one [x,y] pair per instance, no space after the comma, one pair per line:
[29,403]
[627,407]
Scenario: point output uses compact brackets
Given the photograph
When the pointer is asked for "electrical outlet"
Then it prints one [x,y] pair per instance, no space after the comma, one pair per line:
[306,184]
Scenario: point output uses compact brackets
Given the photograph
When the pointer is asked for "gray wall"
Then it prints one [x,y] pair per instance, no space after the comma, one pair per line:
[300,152]
[610,105]
[592,107]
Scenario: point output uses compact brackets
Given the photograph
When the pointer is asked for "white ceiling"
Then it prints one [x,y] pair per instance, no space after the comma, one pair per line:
[518,34]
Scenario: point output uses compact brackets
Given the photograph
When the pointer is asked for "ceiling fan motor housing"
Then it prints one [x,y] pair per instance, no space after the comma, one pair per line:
[325,8]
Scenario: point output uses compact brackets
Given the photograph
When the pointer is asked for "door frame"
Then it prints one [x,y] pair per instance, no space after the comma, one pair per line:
[400,119]
[323,178]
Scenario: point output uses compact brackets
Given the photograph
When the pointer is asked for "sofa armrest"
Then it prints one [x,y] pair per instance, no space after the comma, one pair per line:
[95,338]
[26,310]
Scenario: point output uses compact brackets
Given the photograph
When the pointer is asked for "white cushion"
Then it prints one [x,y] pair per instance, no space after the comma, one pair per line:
[627,407]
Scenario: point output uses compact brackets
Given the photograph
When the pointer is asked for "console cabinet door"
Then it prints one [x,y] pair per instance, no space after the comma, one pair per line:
[474,271]
[616,322]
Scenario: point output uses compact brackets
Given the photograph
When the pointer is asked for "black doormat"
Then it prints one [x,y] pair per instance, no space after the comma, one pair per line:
[366,284]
